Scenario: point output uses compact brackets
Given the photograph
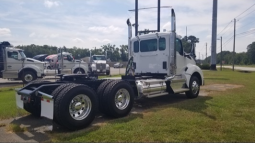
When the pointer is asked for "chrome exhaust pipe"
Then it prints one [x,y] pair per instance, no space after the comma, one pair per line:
[129,37]
[172,51]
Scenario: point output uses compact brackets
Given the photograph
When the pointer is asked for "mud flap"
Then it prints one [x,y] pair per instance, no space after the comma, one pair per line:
[47,106]
[19,101]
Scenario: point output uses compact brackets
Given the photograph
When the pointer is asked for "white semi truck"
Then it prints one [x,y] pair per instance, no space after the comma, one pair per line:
[98,65]
[158,66]
[15,65]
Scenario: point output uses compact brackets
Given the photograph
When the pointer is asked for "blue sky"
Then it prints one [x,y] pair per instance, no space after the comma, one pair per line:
[92,23]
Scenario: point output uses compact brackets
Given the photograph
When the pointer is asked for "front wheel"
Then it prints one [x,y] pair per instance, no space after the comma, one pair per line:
[75,106]
[28,76]
[194,88]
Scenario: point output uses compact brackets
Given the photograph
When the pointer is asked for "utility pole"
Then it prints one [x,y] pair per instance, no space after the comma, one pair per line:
[206,51]
[221,53]
[214,35]
[234,46]
[136,17]
[159,5]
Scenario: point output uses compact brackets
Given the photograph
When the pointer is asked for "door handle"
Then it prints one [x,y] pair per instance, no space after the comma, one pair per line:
[9,66]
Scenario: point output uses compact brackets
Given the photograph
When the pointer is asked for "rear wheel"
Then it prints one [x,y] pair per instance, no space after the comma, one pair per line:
[56,92]
[100,92]
[75,106]
[194,87]
[118,98]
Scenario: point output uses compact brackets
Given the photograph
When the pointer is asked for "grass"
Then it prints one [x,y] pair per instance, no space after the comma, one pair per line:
[221,116]
[15,128]
[8,108]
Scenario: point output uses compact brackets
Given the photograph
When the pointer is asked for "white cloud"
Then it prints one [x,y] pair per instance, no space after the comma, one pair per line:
[32,35]
[5,32]
[53,36]
[108,29]
[100,41]
[50,4]
[77,40]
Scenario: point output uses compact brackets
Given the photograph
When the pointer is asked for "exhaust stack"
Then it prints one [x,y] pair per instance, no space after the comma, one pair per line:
[172,51]
[129,37]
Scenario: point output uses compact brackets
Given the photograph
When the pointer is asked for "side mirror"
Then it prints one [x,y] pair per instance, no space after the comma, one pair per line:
[22,59]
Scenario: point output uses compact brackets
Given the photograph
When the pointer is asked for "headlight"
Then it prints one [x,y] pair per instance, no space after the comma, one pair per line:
[93,65]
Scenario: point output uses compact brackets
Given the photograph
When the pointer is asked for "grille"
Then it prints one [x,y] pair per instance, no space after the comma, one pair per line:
[101,66]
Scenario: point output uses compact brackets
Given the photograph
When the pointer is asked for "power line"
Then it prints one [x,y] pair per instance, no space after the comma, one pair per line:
[226,27]
[253,30]
[246,15]
[245,10]
[247,24]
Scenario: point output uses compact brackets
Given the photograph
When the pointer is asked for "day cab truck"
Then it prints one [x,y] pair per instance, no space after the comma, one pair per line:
[157,66]
[98,65]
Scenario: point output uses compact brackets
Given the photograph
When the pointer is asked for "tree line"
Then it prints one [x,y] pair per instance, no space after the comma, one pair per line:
[113,52]
[244,58]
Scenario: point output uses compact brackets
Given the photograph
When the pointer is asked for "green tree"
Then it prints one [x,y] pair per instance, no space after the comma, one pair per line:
[251,53]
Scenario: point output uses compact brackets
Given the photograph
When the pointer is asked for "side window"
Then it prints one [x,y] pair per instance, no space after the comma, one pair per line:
[148,45]
[178,46]
[13,55]
[69,58]
[162,44]
[136,46]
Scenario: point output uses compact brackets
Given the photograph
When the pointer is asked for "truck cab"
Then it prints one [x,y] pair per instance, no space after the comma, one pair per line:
[15,64]
[98,64]
[68,64]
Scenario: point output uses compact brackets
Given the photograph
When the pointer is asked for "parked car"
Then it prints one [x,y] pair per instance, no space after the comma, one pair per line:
[40,57]
[118,65]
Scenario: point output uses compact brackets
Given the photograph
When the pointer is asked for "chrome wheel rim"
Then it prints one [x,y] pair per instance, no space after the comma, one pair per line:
[28,77]
[80,107]
[195,87]
[79,72]
[122,99]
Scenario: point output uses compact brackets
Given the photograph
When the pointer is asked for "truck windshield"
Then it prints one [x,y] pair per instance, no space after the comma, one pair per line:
[22,54]
[99,58]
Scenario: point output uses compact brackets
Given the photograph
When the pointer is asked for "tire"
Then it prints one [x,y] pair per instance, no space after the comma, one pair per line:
[34,107]
[64,101]
[28,76]
[194,88]
[113,91]
[55,94]
[100,92]
[79,71]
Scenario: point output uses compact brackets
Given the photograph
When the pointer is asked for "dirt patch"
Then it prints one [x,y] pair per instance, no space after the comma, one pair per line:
[205,90]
